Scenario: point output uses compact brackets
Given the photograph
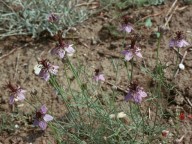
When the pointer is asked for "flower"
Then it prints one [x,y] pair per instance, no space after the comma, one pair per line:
[178,41]
[61,48]
[98,76]
[133,50]
[17,93]
[135,93]
[126,26]
[41,118]
[53,17]
[165,133]
[182,116]
[47,69]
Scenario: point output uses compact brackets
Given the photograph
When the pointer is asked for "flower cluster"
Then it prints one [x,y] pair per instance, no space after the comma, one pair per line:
[135,93]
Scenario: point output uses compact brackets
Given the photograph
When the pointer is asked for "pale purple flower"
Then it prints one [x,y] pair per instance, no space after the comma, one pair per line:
[132,50]
[178,41]
[126,26]
[61,49]
[53,17]
[41,118]
[17,93]
[98,76]
[135,93]
[47,69]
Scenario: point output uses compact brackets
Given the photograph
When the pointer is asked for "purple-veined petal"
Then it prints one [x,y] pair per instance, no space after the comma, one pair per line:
[54,69]
[128,28]
[142,93]
[128,56]
[58,51]
[128,96]
[22,91]
[137,53]
[43,109]
[172,43]
[61,53]
[47,117]
[11,99]
[185,43]
[70,50]
[182,43]
[43,125]
[36,122]
[44,74]
[20,96]
[139,95]
[137,98]
[101,77]
[96,78]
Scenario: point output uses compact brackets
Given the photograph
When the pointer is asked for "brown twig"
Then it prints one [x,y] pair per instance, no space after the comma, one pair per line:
[6,55]
[170,13]
[189,101]
[151,15]
[181,63]
[12,51]
[118,88]
[171,8]
[177,52]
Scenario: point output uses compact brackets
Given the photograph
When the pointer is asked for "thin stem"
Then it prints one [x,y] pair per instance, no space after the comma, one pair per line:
[131,77]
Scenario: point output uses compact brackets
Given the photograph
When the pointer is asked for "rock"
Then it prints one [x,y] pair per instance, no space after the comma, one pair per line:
[179,99]
[93,41]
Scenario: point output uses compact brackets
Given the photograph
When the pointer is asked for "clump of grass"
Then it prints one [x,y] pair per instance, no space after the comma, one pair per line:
[31,17]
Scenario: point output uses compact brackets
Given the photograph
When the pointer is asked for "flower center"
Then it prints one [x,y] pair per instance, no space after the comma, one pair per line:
[45,63]
[39,115]
[179,35]
[12,88]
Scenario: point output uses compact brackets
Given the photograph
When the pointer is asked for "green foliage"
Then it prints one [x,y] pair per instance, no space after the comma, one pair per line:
[188,1]
[148,23]
[30,17]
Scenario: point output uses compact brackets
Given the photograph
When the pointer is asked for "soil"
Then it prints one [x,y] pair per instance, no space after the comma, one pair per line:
[96,45]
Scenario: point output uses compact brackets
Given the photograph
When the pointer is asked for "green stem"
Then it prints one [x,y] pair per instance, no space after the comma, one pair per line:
[131,77]
[158,46]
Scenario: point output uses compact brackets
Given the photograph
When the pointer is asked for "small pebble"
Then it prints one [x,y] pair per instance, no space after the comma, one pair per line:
[181,66]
